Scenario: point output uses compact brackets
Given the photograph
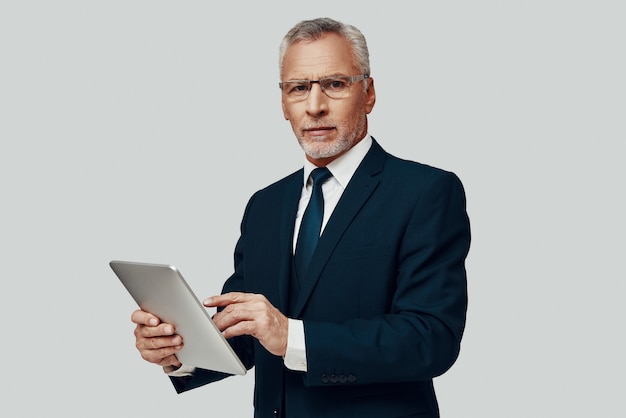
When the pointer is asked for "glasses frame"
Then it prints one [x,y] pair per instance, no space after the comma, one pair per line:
[351,79]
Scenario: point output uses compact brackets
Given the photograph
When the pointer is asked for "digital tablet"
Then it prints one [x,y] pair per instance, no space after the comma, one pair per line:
[161,290]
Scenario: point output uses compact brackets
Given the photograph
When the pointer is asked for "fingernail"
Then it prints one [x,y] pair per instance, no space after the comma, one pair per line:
[153,322]
[168,330]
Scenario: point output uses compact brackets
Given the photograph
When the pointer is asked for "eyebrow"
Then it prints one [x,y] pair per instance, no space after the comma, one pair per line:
[321,78]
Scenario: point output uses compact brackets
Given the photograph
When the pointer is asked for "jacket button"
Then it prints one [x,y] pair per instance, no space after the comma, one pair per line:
[325,378]
[343,378]
[333,378]
[351,378]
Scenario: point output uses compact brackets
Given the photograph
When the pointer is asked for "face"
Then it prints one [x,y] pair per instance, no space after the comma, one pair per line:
[326,128]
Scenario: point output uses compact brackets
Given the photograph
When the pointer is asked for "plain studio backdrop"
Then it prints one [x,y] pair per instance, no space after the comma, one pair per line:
[138,130]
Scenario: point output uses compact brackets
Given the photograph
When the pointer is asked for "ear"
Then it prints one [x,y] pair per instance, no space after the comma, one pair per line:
[370,96]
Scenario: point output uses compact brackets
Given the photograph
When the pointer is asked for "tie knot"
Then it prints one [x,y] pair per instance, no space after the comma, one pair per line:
[320,175]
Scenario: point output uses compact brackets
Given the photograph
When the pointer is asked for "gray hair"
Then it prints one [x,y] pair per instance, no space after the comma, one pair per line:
[311,30]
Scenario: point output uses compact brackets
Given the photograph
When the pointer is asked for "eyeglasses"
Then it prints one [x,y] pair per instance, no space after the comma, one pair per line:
[335,87]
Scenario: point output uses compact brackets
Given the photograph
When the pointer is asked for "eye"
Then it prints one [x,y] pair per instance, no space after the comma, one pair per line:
[296,87]
[334,83]
[299,87]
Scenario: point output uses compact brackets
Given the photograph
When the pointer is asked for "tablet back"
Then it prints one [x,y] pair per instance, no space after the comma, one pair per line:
[161,290]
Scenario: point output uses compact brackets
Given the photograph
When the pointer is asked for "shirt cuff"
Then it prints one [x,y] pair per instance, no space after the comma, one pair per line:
[183,371]
[295,356]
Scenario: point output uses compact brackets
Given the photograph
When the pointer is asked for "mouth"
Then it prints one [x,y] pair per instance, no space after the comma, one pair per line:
[318,130]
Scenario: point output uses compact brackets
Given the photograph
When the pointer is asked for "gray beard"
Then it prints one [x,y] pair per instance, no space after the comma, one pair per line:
[325,150]
[321,149]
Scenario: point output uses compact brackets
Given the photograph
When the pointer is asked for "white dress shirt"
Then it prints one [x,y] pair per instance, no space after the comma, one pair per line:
[342,170]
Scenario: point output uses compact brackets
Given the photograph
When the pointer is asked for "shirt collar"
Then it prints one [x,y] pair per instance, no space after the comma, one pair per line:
[343,167]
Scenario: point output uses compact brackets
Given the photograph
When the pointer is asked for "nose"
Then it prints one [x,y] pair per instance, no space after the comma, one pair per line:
[317,101]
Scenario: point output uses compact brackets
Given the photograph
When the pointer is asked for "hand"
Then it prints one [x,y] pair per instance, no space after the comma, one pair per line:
[156,341]
[251,314]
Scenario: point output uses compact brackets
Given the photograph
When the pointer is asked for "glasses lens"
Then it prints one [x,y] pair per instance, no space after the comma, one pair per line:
[335,87]
[296,89]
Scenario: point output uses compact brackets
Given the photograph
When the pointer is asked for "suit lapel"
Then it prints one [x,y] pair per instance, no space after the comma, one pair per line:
[361,186]
[288,219]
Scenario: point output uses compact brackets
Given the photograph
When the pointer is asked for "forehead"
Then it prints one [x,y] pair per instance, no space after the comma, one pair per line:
[329,55]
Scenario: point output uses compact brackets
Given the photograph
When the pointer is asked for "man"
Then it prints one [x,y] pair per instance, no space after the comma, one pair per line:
[380,309]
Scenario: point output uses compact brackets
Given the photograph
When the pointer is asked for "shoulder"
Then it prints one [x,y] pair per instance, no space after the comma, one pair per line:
[412,173]
[277,193]
[283,185]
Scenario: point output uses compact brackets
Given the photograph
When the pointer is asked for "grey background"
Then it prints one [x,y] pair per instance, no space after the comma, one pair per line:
[138,130]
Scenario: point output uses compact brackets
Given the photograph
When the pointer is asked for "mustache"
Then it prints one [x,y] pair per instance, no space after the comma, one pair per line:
[316,125]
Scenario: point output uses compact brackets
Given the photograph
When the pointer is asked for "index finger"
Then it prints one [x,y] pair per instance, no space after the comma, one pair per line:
[140,317]
[227,299]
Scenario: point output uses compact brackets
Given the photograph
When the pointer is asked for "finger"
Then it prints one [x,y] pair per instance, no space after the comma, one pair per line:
[143,331]
[140,317]
[225,299]
[158,343]
[234,313]
[230,298]
[240,328]
[163,356]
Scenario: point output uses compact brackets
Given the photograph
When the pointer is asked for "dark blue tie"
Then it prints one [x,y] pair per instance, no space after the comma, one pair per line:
[311,224]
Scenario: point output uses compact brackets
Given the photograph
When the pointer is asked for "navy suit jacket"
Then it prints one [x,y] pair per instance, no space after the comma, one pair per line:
[383,302]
